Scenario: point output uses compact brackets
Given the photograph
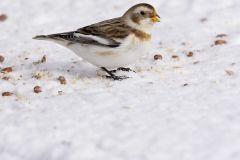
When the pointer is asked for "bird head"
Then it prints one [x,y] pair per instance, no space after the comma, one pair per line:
[141,16]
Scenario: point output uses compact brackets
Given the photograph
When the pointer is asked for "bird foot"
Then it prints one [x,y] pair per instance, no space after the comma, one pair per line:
[125,69]
[112,75]
[117,78]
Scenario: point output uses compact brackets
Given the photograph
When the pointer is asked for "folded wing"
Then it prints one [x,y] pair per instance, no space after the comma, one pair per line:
[75,37]
[107,33]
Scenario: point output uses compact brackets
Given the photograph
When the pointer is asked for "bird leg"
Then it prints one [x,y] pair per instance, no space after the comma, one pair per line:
[113,76]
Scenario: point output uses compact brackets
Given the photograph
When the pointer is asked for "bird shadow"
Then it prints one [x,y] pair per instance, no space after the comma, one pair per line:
[78,69]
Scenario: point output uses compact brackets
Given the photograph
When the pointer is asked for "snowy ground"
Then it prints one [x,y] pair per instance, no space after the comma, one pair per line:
[180,107]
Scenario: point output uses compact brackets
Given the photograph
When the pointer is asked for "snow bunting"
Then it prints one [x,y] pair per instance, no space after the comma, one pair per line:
[113,43]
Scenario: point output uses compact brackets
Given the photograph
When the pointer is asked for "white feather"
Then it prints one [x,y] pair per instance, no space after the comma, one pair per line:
[130,50]
[96,38]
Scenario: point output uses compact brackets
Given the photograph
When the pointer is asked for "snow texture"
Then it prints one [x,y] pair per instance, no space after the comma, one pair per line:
[177,108]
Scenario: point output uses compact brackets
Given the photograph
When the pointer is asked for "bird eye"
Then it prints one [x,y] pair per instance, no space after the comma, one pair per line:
[142,13]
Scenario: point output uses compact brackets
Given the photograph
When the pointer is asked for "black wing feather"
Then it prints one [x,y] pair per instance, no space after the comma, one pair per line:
[110,30]
[71,37]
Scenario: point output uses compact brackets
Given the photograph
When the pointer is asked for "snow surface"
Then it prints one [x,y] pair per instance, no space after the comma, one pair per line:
[184,108]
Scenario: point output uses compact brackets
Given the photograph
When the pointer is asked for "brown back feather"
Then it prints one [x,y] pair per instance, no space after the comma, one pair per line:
[112,29]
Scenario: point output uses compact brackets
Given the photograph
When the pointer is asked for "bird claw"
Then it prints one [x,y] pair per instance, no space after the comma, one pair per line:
[117,78]
[112,75]
[125,69]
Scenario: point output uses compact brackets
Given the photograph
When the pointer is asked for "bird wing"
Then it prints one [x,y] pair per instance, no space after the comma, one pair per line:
[106,33]
[75,37]
[111,29]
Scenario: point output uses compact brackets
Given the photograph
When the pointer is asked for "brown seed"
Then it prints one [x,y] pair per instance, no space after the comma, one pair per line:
[1,59]
[62,80]
[7,94]
[221,35]
[190,54]
[220,42]
[7,70]
[175,57]
[37,89]
[158,57]
[3,17]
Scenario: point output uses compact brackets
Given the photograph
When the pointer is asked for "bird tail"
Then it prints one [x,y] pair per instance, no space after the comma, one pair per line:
[41,37]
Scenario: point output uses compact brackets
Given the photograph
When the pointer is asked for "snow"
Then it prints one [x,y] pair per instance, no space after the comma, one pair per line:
[175,108]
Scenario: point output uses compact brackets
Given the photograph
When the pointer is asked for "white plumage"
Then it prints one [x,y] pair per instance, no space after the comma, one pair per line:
[130,50]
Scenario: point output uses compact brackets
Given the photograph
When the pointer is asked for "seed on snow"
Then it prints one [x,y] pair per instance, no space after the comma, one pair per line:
[158,57]
[1,59]
[190,54]
[7,70]
[7,94]
[37,89]
[220,42]
[62,80]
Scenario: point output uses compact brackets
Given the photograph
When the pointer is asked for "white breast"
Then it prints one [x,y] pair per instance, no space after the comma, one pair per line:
[129,51]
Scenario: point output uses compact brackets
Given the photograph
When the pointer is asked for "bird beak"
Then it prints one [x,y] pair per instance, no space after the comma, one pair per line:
[155,18]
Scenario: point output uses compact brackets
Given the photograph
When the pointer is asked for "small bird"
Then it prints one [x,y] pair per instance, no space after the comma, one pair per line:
[113,43]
